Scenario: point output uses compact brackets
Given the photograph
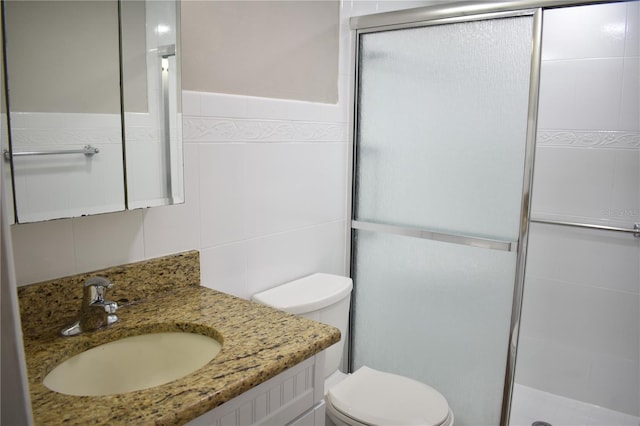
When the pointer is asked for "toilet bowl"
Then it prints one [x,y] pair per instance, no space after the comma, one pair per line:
[371,397]
[367,396]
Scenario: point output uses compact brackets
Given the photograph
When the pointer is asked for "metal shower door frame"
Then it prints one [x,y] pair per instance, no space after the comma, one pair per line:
[440,15]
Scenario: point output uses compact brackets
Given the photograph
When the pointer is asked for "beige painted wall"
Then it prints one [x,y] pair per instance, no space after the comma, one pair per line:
[134,56]
[63,56]
[275,49]
[76,64]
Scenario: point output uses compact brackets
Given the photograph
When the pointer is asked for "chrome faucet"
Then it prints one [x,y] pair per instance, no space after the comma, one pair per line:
[95,312]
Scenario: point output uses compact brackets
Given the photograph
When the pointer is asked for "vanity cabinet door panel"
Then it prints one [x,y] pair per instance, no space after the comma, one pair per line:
[288,398]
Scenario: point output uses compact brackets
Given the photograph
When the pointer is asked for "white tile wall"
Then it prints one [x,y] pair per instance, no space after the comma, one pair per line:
[96,245]
[580,94]
[285,256]
[590,75]
[272,190]
[144,146]
[224,267]
[222,205]
[632,42]
[629,105]
[583,33]
[173,229]
[43,250]
[580,327]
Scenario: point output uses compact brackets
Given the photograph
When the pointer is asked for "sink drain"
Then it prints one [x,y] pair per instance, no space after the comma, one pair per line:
[540,423]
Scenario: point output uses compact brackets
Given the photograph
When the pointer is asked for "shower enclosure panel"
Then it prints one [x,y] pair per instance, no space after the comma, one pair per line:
[579,339]
[440,165]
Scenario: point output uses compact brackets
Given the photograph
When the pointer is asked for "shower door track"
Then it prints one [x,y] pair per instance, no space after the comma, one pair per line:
[458,11]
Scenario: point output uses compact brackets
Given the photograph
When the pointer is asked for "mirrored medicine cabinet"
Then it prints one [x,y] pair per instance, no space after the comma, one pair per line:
[94,106]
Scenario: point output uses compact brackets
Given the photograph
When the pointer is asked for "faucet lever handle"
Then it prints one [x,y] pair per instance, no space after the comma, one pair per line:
[98,282]
[95,289]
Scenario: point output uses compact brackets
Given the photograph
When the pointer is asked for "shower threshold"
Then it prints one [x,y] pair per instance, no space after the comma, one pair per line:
[531,406]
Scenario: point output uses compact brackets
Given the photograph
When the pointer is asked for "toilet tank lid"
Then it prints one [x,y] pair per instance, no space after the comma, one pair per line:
[306,294]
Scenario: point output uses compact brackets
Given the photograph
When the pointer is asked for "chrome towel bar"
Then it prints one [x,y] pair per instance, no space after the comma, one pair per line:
[88,150]
[635,231]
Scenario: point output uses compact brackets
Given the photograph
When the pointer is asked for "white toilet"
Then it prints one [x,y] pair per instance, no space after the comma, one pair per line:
[366,397]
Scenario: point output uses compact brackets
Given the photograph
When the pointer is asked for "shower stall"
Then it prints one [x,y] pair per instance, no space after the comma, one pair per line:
[578,341]
[452,103]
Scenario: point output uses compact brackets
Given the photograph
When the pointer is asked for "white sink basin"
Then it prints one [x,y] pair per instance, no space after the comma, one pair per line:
[132,363]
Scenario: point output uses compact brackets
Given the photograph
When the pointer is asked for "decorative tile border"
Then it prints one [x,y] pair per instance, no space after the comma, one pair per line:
[245,130]
[589,139]
[58,129]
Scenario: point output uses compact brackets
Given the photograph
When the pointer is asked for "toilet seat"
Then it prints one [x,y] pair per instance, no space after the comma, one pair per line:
[374,398]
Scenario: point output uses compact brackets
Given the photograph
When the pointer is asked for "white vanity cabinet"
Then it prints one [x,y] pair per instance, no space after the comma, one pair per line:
[293,397]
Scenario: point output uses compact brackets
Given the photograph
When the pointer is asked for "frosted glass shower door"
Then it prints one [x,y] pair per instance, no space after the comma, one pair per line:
[438,187]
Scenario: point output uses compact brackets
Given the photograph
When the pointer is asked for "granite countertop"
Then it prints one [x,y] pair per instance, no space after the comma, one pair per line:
[258,343]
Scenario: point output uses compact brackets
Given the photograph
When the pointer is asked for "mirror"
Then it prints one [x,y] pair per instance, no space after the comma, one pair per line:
[80,142]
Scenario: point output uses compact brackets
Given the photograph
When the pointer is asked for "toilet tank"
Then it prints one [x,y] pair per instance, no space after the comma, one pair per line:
[320,297]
